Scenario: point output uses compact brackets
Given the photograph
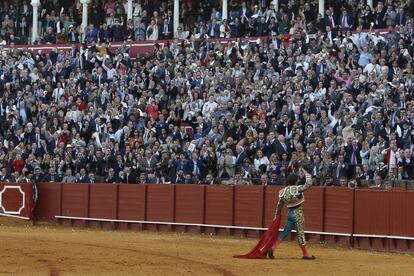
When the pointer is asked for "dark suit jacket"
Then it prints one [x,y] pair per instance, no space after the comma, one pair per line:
[216,30]
[113,179]
[129,179]
[349,19]
[145,167]
[400,19]
[408,168]
[348,154]
[84,179]
[281,128]
[240,159]
[343,171]
[169,29]
[54,178]
[280,150]
[329,23]
[189,166]
[367,176]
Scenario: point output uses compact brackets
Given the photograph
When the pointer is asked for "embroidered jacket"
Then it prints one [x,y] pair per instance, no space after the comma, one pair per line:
[293,195]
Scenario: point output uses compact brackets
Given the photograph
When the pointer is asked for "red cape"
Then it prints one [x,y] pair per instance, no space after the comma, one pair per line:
[266,241]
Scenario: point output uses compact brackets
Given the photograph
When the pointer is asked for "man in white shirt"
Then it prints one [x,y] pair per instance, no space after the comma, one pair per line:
[209,107]
[58,92]
[73,114]
[110,70]
[373,67]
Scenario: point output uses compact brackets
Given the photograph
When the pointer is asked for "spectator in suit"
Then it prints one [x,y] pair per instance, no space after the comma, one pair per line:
[353,156]
[73,35]
[142,179]
[148,162]
[140,29]
[346,21]
[38,176]
[264,180]
[189,179]
[367,173]
[52,176]
[112,177]
[407,164]
[379,183]
[91,34]
[91,177]
[23,30]
[340,168]
[262,27]
[400,19]
[390,16]
[330,20]
[209,180]
[235,28]
[379,16]
[166,31]
[83,178]
[179,178]
[4,176]
[281,145]
[236,180]
[213,29]
[129,177]
[194,166]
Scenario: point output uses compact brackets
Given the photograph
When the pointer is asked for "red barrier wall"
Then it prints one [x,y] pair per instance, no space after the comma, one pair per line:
[75,200]
[401,220]
[132,202]
[338,214]
[366,219]
[313,210]
[189,204]
[372,215]
[219,205]
[49,204]
[160,203]
[248,206]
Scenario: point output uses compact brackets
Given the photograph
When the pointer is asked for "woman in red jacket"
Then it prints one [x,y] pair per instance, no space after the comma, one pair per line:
[18,164]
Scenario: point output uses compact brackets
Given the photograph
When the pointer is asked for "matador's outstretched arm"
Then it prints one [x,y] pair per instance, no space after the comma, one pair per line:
[308,182]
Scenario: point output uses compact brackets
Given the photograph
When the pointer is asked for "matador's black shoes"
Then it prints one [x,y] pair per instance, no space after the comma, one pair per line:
[270,253]
[308,257]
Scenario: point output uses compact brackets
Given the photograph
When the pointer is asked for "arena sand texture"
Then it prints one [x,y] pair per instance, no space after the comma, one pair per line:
[55,250]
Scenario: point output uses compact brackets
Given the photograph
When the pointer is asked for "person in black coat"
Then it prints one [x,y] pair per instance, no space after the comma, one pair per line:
[112,178]
[407,164]
[340,169]
[352,153]
[37,176]
[367,174]
[83,178]
[129,177]
[52,176]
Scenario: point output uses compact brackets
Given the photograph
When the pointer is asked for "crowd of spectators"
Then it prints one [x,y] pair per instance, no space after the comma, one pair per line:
[203,111]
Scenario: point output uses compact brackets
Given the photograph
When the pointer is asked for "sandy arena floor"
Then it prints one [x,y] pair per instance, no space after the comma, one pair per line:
[41,250]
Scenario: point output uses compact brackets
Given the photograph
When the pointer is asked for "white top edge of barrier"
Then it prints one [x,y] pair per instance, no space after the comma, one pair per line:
[195,224]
